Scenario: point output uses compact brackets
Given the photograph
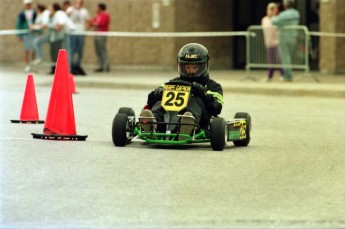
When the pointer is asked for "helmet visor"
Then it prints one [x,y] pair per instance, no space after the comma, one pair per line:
[192,70]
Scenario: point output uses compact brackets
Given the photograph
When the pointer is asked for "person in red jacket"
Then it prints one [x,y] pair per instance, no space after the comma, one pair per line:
[100,23]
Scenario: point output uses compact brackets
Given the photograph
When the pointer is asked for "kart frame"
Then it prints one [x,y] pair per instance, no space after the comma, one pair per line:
[218,132]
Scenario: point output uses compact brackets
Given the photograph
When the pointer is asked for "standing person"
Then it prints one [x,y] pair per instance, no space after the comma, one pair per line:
[79,16]
[68,9]
[287,37]
[26,18]
[101,23]
[271,39]
[56,26]
[41,34]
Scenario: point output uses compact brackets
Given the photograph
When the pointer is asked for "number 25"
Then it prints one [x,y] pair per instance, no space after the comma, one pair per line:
[179,100]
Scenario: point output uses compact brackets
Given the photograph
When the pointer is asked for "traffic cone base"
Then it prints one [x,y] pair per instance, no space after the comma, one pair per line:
[60,137]
[60,120]
[28,121]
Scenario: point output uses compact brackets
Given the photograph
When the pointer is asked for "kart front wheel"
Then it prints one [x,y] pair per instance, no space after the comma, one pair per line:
[126,110]
[120,128]
[219,134]
[248,119]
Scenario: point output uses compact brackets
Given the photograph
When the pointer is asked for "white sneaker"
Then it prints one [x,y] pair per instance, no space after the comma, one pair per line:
[145,118]
[37,61]
[187,118]
[27,68]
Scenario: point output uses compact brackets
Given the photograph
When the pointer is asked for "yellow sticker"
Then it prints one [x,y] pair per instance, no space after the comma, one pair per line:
[242,124]
[175,97]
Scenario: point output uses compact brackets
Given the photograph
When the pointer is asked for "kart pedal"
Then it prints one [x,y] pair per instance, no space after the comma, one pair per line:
[187,124]
[186,115]
[146,118]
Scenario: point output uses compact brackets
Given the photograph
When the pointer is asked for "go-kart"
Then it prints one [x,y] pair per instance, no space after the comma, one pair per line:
[174,99]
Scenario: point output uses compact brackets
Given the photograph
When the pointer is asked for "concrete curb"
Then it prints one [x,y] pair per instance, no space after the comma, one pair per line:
[253,88]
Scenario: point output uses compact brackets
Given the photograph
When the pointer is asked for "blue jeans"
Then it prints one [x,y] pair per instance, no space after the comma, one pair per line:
[27,41]
[37,44]
[76,48]
[287,47]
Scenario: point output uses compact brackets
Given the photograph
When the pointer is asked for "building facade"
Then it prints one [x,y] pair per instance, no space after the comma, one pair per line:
[185,16]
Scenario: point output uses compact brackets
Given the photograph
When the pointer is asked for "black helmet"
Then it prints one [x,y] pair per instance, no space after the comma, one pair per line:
[193,56]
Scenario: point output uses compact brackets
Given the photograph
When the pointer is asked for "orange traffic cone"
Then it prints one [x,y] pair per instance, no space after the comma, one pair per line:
[60,121]
[29,113]
[72,84]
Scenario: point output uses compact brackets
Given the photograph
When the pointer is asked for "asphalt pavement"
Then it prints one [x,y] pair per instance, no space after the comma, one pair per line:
[290,176]
[233,81]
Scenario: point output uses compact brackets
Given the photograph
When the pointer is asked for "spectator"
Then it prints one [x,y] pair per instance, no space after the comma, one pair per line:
[26,18]
[100,23]
[287,37]
[67,7]
[56,25]
[41,35]
[271,39]
[79,16]
[314,26]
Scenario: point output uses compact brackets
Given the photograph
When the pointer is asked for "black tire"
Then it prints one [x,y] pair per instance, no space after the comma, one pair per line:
[219,134]
[126,110]
[119,130]
[246,116]
[131,125]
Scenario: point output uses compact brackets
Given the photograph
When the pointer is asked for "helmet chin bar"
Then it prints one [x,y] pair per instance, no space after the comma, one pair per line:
[192,74]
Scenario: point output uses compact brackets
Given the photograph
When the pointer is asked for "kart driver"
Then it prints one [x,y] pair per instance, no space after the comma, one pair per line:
[206,98]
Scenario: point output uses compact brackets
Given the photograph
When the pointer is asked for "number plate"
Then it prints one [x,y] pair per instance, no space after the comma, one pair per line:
[237,130]
[175,97]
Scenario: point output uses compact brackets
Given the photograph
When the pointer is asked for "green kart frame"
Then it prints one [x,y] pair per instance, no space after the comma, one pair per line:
[218,133]
[175,98]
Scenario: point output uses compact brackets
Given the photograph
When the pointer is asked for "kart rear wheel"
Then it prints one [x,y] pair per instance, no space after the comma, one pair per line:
[219,134]
[248,119]
[119,130]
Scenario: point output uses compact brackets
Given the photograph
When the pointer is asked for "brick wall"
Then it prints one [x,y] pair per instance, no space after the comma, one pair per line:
[196,15]
[340,43]
[179,16]
[332,50]
[136,16]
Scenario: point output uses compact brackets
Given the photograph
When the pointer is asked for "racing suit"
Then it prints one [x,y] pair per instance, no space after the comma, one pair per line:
[206,100]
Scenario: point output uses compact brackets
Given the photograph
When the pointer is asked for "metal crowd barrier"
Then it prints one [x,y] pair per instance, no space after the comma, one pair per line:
[142,34]
[297,44]
[256,53]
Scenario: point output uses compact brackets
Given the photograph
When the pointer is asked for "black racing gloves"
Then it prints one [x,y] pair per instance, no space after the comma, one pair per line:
[198,90]
[155,96]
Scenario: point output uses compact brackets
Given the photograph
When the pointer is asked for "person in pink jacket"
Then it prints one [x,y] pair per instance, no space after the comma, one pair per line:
[271,39]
